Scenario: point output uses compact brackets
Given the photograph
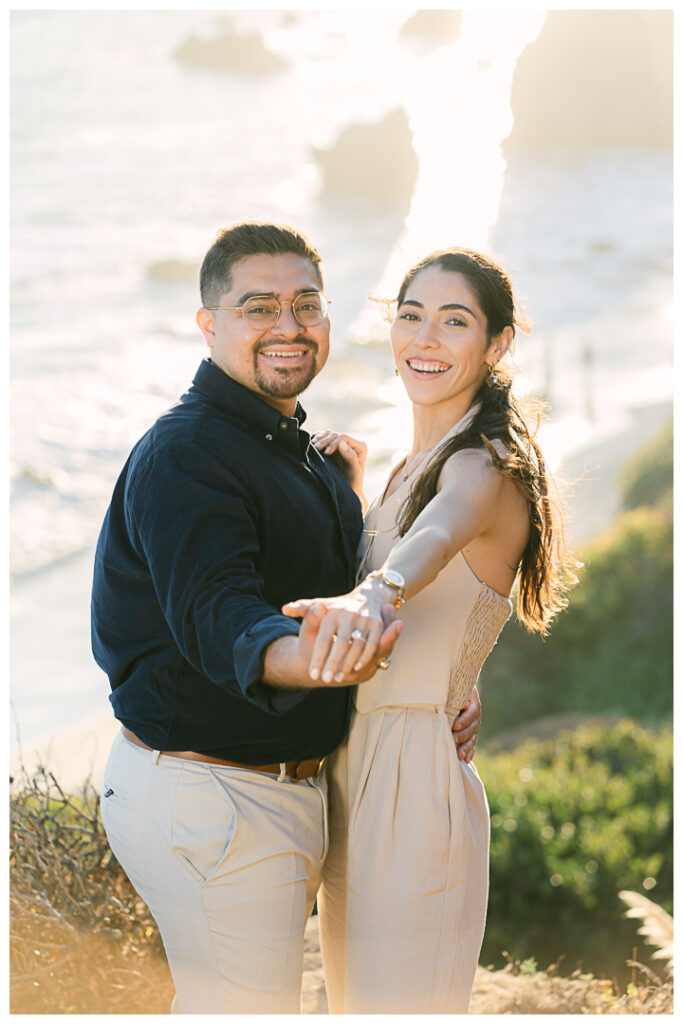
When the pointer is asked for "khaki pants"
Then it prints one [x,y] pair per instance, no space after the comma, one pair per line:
[229,862]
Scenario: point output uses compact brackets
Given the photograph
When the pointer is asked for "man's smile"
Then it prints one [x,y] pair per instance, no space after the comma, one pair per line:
[288,353]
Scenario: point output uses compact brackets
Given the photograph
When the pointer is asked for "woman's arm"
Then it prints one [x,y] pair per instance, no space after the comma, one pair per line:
[463,508]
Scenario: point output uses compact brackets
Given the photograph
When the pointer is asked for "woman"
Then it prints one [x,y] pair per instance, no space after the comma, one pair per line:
[404,896]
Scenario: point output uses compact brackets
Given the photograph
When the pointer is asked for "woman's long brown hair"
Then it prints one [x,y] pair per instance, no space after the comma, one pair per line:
[546,570]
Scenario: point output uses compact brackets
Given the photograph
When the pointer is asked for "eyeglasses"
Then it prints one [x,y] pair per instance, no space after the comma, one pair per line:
[263,311]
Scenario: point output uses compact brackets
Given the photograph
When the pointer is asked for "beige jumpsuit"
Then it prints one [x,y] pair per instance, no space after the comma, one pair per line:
[405,884]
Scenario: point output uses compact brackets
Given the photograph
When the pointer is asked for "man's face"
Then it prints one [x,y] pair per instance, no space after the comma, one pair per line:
[279,362]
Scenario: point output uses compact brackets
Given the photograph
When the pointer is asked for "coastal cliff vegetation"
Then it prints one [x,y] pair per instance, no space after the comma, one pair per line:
[610,653]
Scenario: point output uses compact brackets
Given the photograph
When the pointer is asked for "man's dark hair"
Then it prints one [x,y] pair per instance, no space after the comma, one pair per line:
[249,238]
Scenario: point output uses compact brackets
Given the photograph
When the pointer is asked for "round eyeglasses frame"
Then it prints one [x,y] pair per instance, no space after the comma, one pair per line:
[265,324]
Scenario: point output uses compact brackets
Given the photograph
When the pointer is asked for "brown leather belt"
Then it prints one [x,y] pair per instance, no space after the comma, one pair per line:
[295,770]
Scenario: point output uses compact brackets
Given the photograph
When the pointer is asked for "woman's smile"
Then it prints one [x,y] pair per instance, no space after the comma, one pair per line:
[426,368]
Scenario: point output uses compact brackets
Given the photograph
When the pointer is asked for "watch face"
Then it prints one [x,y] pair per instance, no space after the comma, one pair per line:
[394,579]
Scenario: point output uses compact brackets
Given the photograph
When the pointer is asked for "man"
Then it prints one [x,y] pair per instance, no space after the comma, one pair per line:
[213,797]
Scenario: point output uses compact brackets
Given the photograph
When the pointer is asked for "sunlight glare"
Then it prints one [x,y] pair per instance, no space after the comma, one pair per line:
[458,103]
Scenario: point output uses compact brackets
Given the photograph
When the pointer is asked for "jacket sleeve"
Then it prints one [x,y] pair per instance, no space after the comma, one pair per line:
[196,527]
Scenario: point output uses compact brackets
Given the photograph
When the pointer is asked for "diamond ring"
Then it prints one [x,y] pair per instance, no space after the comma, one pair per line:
[358,635]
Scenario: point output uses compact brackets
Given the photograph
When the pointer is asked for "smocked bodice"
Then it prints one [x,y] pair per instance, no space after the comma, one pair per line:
[450,627]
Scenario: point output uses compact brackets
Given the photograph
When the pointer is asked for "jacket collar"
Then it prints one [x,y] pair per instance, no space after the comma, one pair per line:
[244,406]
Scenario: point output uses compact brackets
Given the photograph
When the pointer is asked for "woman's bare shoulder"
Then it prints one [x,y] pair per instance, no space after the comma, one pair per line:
[470,465]
[471,477]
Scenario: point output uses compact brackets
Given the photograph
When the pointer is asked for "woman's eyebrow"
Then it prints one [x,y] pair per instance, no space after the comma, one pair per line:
[448,305]
[459,305]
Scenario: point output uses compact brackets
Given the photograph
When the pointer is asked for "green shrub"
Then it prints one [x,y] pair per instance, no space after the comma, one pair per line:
[647,478]
[611,651]
[573,821]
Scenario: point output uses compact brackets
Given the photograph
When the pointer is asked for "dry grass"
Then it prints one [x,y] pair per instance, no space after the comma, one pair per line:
[57,969]
[521,988]
[82,941]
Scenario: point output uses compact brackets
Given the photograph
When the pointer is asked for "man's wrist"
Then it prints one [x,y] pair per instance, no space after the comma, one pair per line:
[282,665]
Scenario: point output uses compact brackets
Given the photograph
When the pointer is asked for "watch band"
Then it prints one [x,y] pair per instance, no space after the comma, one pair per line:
[395,582]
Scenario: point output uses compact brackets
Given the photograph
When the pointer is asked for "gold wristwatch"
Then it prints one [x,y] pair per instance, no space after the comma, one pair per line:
[392,579]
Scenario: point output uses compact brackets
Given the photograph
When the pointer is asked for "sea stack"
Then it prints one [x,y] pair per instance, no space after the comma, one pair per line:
[596,78]
[376,160]
[435,27]
[232,52]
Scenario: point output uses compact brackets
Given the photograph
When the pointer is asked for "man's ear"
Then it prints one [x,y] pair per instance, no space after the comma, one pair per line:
[207,325]
[500,345]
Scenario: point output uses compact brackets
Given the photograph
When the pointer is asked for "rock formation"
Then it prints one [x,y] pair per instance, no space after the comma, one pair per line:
[433,26]
[596,78]
[232,52]
[174,272]
[376,160]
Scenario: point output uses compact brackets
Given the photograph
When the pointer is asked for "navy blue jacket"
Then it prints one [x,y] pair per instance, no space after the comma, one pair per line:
[223,512]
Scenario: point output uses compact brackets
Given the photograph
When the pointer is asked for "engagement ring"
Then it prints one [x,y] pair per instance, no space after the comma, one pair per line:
[358,635]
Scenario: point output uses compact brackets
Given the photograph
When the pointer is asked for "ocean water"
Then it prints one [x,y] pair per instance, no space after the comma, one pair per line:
[124,157]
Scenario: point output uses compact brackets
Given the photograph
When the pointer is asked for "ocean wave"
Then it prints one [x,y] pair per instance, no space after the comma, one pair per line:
[27,480]
[24,571]
[45,532]
[55,512]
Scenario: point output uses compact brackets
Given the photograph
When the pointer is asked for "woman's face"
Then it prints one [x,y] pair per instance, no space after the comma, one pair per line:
[439,339]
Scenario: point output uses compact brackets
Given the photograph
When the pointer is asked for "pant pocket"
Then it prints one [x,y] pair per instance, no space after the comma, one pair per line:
[203,822]
[123,821]
[118,813]
[320,785]
[113,796]
[118,797]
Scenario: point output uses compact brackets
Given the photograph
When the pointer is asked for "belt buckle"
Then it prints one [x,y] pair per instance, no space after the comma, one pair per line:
[314,774]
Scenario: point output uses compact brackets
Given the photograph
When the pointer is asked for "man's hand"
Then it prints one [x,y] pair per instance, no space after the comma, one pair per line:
[466,726]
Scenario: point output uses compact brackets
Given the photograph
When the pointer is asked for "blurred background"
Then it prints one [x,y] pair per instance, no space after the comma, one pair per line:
[543,138]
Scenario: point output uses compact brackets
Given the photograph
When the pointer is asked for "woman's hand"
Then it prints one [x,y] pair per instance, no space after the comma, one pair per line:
[350,456]
[288,658]
[349,634]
